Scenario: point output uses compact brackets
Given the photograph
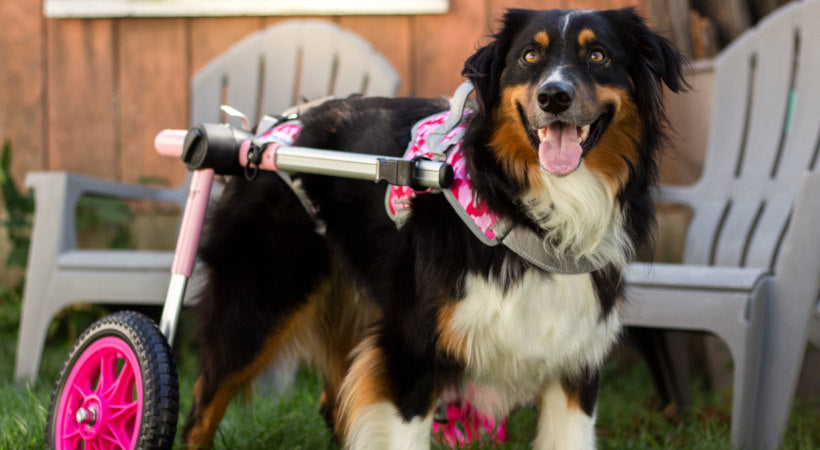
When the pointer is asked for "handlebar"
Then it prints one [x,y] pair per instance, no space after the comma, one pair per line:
[169,142]
[225,149]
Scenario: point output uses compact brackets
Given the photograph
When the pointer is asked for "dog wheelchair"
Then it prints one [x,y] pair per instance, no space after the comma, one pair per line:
[118,387]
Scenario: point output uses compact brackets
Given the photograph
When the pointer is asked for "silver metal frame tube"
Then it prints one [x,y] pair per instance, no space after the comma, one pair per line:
[350,165]
[173,306]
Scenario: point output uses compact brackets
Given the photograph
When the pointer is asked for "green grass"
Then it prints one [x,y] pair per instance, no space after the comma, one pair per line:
[630,415]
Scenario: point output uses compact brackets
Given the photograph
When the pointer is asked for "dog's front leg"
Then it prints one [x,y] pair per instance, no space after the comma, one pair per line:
[567,414]
[368,417]
[380,426]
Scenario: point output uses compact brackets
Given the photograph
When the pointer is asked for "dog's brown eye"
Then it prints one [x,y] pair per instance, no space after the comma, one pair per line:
[596,57]
[530,57]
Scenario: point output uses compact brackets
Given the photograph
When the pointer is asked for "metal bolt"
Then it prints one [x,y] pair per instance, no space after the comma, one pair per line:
[86,415]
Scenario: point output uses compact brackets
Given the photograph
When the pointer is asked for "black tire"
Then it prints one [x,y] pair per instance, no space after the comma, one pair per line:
[148,369]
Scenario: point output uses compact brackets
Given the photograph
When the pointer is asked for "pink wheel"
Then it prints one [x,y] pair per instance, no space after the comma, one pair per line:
[117,388]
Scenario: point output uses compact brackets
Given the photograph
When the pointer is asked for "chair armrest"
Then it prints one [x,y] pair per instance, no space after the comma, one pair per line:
[690,276]
[77,185]
[56,196]
[677,194]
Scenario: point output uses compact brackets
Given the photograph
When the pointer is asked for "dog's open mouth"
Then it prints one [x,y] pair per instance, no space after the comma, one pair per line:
[562,146]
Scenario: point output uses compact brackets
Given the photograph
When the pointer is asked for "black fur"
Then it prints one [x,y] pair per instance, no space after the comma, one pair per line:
[265,257]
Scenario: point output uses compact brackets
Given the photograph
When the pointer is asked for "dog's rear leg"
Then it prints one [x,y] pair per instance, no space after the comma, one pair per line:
[265,261]
[214,389]
[368,417]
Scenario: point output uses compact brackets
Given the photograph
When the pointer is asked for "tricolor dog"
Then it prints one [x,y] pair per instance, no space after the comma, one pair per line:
[504,290]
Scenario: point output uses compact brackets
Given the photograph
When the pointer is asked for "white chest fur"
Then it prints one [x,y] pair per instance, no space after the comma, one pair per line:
[543,327]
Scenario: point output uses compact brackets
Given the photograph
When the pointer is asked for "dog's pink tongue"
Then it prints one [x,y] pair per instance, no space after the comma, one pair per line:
[559,151]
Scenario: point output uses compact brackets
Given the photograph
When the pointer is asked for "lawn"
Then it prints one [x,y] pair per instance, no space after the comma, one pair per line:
[630,415]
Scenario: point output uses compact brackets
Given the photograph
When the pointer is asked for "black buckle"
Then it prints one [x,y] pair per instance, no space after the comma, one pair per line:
[254,155]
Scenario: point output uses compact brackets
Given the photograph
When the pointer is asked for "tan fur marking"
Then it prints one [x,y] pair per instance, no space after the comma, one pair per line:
[509,140]
[340,320]
[450,342]
[363,386]
[586,37]
[542,38]
[618,147]
[210,416]
[573,397]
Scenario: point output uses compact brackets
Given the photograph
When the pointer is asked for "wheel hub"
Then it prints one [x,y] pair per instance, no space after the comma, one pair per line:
[89,416]
[86,416]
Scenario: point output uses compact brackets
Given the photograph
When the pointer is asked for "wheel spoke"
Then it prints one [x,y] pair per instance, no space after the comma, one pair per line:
[108,369]
[120,389]
[115,434]
[121,413]
[72,437]
[82,391]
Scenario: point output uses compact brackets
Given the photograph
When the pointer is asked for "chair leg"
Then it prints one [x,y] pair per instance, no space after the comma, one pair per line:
[31,339]
[782,358]
[744,340]
[794,301]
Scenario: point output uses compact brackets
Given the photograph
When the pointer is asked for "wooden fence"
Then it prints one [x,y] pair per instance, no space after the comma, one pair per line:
[88,95]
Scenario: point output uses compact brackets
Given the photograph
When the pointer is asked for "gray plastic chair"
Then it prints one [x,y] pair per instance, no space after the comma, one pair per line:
[751,267]
[266,72]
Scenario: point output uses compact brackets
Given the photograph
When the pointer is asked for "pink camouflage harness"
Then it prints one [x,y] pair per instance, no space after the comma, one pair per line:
[469,206]
[439,137]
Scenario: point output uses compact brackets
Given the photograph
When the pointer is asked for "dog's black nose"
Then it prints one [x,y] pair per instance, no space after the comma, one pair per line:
[556,96]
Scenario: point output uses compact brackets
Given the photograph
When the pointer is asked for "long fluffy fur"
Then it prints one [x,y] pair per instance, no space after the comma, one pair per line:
[397,317]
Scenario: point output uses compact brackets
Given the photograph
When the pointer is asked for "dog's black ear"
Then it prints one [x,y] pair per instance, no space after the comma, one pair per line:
[660,56]
[482,69]
[485,66]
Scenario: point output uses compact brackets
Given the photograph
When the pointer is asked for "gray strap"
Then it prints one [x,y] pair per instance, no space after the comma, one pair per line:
[535,250]
[471,225]
[435,141]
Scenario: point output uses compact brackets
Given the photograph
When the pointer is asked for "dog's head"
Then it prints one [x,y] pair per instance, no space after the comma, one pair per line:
[566,87]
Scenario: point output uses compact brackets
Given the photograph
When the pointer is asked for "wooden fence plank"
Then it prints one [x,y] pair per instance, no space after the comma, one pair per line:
[211,36]
[600,4]
[81,104]
[732,17]
[442,44]
[153,93]
[21,85]
[390,36]
[497,7]
[672,18]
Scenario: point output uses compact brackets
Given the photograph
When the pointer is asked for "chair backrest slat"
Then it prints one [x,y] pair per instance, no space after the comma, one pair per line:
[705,229]
[243,77]
[733,77]
[738,226]
[772,47]
[769,234]
[802,142]
[206,93]
[282,49]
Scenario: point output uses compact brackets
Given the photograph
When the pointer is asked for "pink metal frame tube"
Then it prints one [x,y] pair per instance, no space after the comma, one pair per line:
[169,143]
[192,220]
